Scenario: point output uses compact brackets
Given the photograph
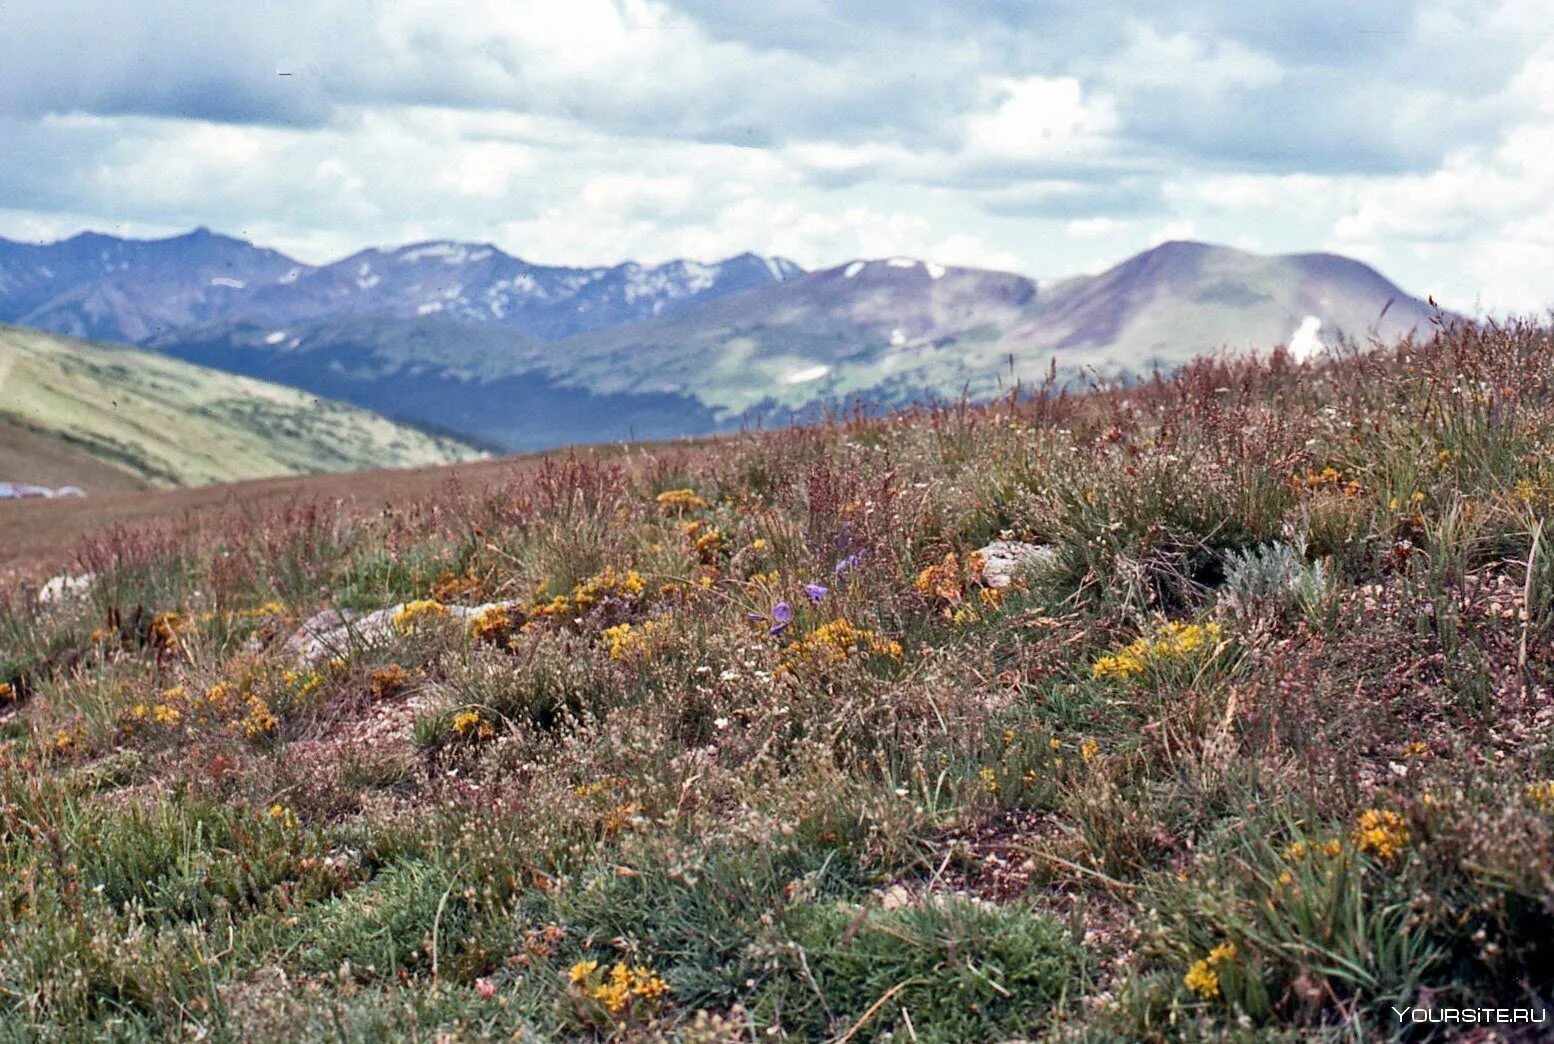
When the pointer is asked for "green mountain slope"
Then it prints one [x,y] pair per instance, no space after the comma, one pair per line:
[151,421]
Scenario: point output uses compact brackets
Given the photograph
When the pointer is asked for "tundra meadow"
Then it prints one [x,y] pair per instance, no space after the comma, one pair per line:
[745,741]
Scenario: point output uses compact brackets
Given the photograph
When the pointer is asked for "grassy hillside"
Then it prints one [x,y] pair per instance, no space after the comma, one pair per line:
[126,417]
[748,748]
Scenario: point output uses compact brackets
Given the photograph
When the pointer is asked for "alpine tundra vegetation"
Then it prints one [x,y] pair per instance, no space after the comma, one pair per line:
[1249,740]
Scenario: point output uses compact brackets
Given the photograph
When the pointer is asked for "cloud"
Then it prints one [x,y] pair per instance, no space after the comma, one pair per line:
[1038,118]
[1094,228]
[1013,135]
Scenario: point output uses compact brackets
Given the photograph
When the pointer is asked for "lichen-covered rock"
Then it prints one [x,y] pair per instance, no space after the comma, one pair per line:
[336,632]
[1003,560]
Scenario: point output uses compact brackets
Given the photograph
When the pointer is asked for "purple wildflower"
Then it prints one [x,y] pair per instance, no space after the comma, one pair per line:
[815,592]
[851,562]
[782,612]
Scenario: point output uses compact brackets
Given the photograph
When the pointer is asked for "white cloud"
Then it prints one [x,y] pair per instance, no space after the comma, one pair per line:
[1094,228]
[1494,207]
[1153,58]
[1037,117]
[1173,231]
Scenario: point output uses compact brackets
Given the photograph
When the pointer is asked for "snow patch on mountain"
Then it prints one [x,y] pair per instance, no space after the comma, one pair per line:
[674,280]
[447,252]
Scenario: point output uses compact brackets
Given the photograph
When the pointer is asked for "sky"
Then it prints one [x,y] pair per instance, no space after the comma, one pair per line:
[1048,138]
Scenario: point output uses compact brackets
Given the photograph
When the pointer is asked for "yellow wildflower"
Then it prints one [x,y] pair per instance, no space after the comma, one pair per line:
[1541,794]
[1173,641]
[260,720]
[943,581]
[165,628]
[708,544]
[1203,977]
[625,641]
[832,643]
[491,625]
[386,681]
[470,723]
[676,501]
[622,991]
[412,613]
[560,605]
[989,779]
[608,583]
[1381,832]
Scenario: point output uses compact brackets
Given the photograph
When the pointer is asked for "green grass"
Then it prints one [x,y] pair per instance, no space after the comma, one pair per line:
[1261,756]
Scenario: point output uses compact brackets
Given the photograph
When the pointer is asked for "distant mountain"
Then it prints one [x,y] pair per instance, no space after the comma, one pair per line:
[481,284]
[105,417]
[1182,299]
[889,331]
[114,289]
[897,330]
[129,290]
[468,338]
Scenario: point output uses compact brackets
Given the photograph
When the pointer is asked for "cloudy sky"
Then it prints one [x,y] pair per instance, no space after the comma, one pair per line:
[1042,137]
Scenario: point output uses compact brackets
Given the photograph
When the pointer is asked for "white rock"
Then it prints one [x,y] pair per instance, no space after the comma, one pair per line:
[65,588]
[1003,560]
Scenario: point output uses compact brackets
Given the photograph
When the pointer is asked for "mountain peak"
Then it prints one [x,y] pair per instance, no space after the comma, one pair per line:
[89,237]
[884,267]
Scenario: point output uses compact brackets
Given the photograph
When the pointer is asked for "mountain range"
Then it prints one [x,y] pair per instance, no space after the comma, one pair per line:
[107,288]
[470,339]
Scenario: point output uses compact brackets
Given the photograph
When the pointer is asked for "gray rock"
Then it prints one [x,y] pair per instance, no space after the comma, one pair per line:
[1003,560]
